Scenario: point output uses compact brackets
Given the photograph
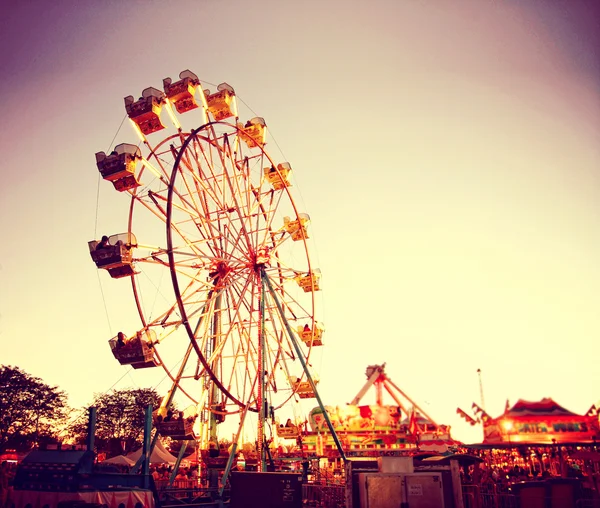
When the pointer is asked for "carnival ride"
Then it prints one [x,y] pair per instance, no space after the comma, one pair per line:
[217,253]
[371,430]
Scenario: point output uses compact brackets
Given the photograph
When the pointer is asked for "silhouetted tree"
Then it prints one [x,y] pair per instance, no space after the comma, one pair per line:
[30,410]
[119,420]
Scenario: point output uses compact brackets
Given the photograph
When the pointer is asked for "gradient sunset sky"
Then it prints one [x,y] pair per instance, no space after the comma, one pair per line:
[448,153]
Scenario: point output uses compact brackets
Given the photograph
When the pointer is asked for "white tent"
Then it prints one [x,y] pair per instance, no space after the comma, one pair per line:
[159,455]
[119,460]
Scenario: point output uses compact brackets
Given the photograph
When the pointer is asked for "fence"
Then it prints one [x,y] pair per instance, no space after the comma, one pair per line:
[324,496]
[563,494]
[475,496]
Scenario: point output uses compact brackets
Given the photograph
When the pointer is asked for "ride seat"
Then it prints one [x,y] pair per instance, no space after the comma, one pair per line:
[297,228]
[287,432]
[181,93]
[145,112]
[303,388]
[176,428]
[254,133]
[314,335]
[119,166]
[309,282]
[136,352]
[221,104]
[279,178]
[117,259]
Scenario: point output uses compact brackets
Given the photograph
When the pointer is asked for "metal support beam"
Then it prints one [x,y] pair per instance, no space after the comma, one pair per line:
[147,450]
[177,462]
[300,355]
[91,431]
[233,452]
[366,387]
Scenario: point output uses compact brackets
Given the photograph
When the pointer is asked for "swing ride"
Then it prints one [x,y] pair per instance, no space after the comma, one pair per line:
[221,273]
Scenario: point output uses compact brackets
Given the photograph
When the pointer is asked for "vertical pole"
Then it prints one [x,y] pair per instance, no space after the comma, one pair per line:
[177,462]
[233,452]
[481,389]
[379,391]
[456,484]
[262,464]
[91,430]
[213,473]
[304,366]
[147,449]
[214,394]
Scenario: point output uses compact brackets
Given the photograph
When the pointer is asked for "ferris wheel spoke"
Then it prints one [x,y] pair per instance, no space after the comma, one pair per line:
[177,382]
[162,171]
[240,350]
[290,302]
[230,182]
[267,207]
[191,190]
[278,334]
[161,214]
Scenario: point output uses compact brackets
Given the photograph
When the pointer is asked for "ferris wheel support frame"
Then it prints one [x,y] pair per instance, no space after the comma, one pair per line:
[261,401]
[233,452]
[175,281]
[292,338]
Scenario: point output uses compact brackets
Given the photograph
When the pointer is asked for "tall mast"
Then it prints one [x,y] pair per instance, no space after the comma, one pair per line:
[480,389]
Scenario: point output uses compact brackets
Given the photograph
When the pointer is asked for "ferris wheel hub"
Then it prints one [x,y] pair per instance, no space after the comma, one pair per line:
[219,272]
[263,257]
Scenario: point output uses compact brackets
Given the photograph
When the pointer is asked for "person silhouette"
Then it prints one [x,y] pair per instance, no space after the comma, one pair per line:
[103,243]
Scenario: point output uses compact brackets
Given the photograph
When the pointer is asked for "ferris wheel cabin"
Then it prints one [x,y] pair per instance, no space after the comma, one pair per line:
[310,282]
[288,431]
[177,425]
[279,178]
[311,336]
[221,104]
[181,93]
[119,166]
[254,132]
[303,388]
[297,228]
[145,112]
[114,254]
[135,351]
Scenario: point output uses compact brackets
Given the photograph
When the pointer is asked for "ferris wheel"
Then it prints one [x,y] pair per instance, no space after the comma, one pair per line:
[217,253]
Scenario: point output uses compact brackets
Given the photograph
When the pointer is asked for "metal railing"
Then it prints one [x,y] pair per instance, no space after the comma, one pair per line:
[493,496]
[484,496]
[324,496]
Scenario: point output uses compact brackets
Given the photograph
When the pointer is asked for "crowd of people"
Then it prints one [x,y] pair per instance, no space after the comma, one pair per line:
[186,477]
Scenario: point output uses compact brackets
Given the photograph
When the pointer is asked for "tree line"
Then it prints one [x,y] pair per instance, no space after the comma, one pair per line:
[33,413]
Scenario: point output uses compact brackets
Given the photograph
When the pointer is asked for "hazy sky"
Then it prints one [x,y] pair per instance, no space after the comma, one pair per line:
[448,154]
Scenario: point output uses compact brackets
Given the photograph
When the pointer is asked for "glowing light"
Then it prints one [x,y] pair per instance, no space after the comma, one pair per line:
[234,109]
[151,168]
[507,425]
[137,130]
[200,91]
[169,108]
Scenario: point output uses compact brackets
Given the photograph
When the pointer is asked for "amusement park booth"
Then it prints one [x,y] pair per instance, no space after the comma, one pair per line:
[540,423]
